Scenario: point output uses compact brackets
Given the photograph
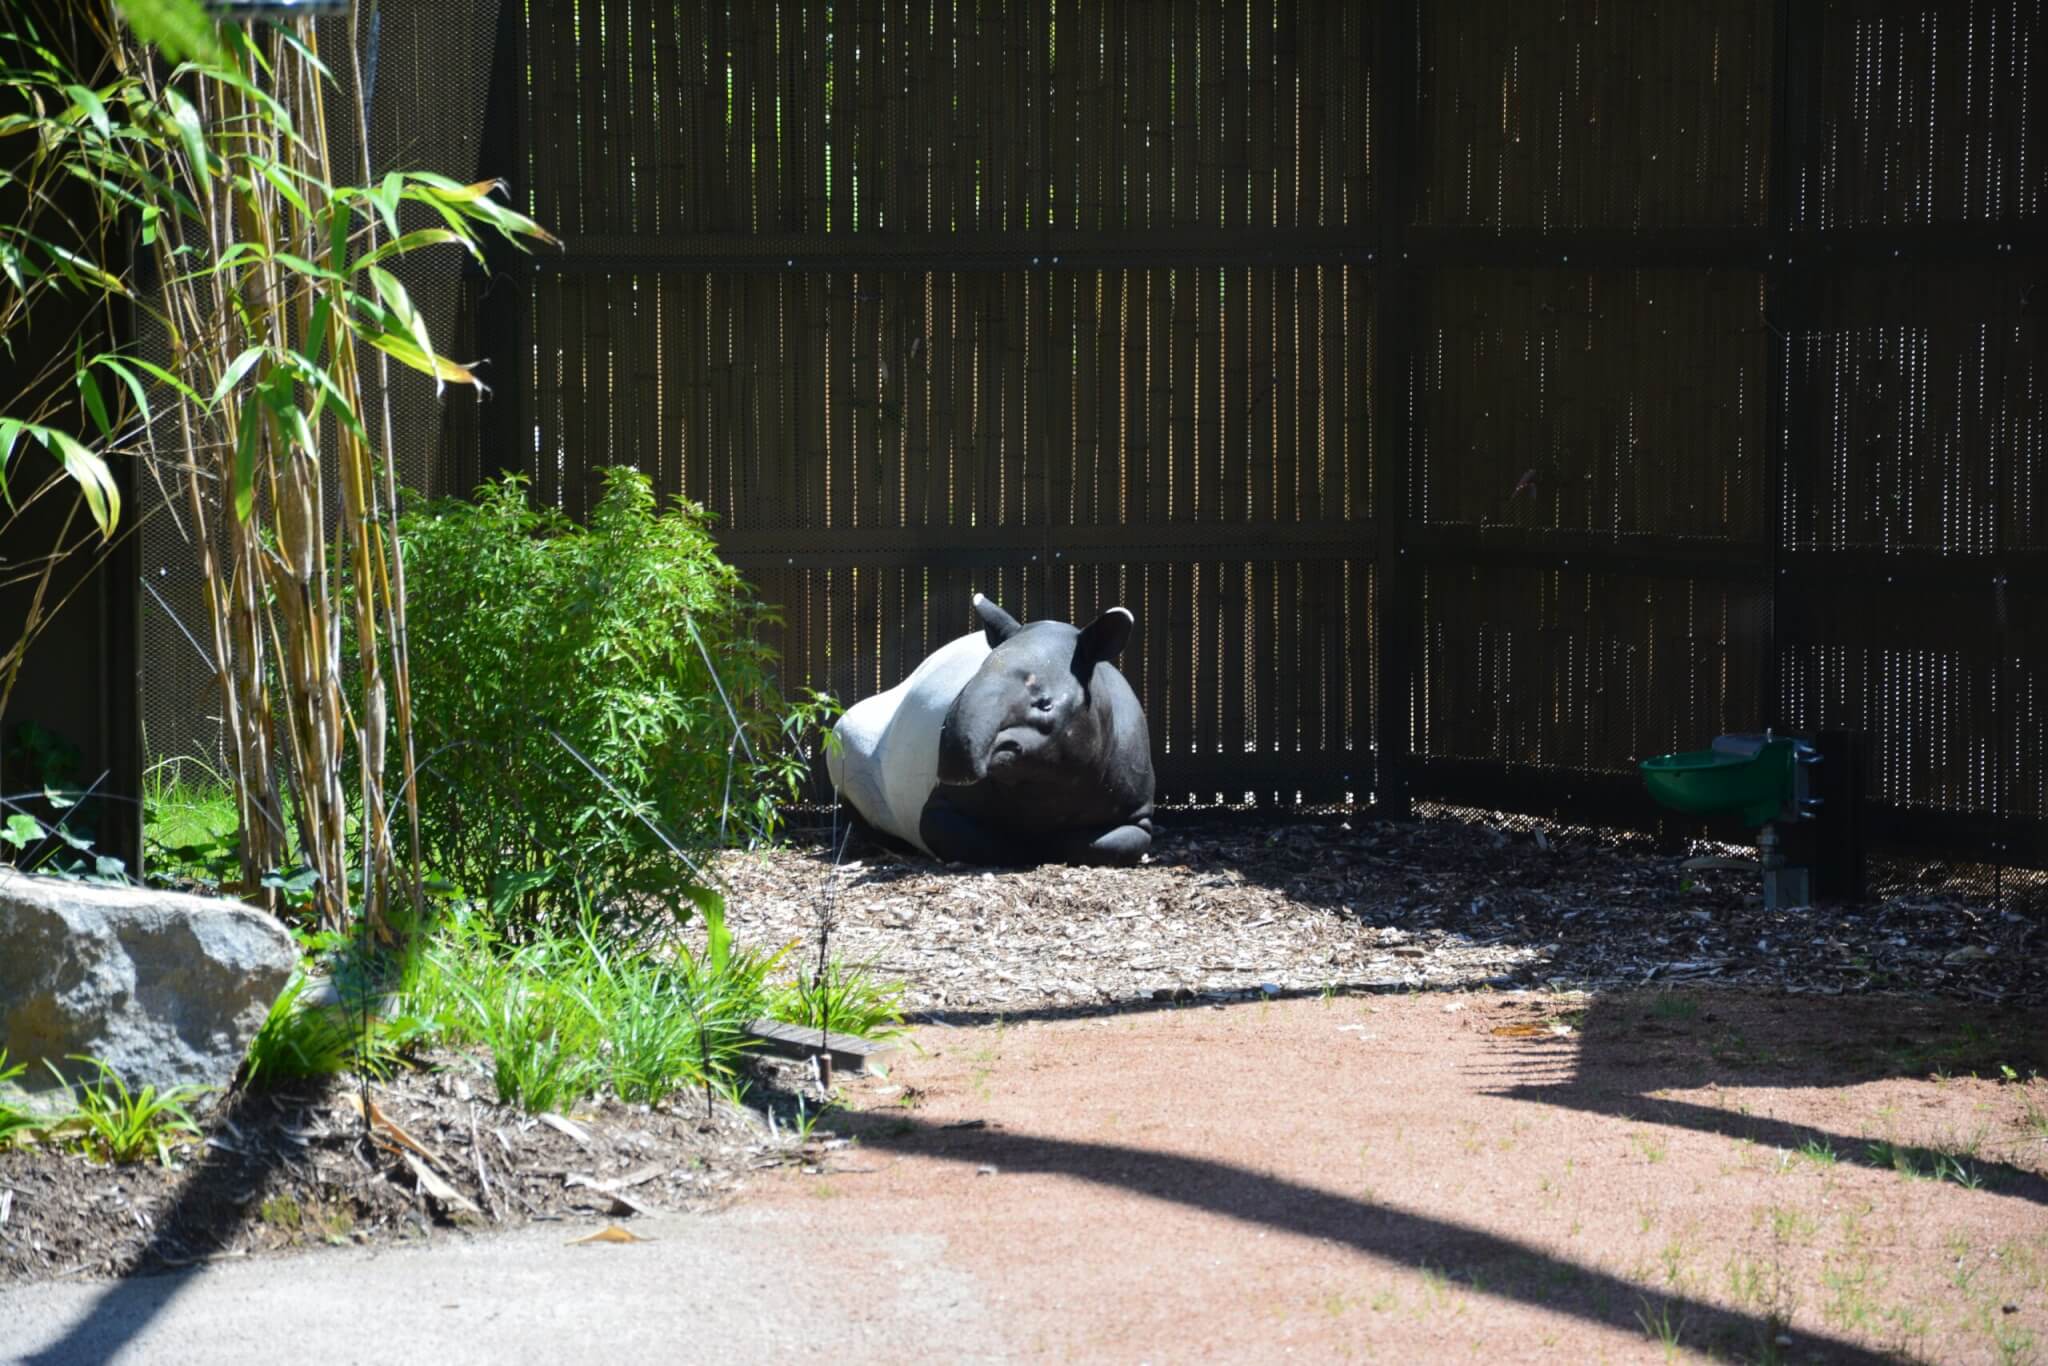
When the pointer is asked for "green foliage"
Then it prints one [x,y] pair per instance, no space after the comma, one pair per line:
[212,179]
[565,1015]
[848,1000]
[301,1039]
[191,831]
[572,727]
[113,1124]
[16,1123]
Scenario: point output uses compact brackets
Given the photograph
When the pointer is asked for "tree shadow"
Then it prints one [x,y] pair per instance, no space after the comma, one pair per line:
[1631,1047]
[1474,1259]
[246,1150]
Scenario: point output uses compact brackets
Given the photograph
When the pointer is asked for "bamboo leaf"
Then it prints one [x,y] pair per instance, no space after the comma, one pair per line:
[73,266]
[508,221]
[314,344]
[11,430]
[157,372]
[441,187]
[291,41]
[237,368]
[185,124]
[179,27]
[245,456]
[385,197]
[304,267]
[128,377]
[400,306]
[316,377]
[89,390]
[278,396]
[273,173]
[88,105]
[90,473]
[391,343]
[413,241]
[338,216]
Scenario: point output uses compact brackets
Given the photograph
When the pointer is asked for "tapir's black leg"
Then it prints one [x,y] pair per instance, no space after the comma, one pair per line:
[956,837]
[1121,844]
[867,834]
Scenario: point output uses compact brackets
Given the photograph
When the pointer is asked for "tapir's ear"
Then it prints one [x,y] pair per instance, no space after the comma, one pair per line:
[1103,638]
[999,624]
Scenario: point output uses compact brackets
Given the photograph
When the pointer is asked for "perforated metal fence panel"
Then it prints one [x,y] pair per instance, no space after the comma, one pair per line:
[1469,398]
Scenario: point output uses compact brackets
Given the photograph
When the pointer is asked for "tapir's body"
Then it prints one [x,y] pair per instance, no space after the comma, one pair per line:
[1013,744]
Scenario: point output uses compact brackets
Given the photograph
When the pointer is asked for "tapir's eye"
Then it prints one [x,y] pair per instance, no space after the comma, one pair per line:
[1042,703]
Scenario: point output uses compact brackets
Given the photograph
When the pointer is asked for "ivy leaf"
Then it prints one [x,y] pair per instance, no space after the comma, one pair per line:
[21,830]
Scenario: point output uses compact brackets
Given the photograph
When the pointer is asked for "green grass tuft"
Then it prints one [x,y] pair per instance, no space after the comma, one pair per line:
[848,1000]
[113,1124]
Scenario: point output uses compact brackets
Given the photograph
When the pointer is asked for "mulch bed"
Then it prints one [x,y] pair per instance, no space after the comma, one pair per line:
[1222,910]
[300,1168]
[1225,909]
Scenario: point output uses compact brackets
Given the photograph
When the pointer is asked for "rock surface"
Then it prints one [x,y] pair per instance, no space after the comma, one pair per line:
[168,989]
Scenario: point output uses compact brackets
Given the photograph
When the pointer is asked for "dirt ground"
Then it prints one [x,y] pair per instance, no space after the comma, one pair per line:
[1429,1176]
[1449,1085]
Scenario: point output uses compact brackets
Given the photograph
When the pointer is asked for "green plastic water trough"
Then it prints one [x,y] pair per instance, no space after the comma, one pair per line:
[1751,783]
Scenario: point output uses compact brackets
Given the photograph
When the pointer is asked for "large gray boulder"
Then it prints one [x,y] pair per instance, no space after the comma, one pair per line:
[167,989]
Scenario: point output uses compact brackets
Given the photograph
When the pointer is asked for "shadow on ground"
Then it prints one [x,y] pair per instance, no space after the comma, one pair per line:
[1485,1263]
[1631,1047]
[216,1200]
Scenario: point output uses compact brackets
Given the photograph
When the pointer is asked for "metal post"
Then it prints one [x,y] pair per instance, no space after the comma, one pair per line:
[1396,323]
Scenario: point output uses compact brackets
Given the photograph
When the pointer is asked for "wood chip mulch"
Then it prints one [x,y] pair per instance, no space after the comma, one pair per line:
[1224,910]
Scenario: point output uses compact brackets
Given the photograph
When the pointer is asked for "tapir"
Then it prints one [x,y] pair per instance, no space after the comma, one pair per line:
[1011,745]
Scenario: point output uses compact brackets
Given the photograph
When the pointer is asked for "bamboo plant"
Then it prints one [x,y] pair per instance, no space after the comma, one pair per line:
[277,303]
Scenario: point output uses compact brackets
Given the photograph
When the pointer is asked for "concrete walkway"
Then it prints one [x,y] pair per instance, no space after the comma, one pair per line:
[740,1286]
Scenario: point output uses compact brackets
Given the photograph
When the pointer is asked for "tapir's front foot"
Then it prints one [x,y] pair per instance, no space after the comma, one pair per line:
[956,837]
[1118,846]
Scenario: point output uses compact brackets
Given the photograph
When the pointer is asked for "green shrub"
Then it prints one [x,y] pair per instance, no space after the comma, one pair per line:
[569,724]
[190,828]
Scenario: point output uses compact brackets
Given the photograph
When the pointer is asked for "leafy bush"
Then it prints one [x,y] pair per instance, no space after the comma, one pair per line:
[571,723]
[191,831]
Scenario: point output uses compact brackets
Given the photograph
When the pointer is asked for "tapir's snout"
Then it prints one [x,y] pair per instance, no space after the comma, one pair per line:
[963,756]
[974,736]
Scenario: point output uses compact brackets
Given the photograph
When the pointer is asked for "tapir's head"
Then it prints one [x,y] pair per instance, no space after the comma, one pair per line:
[1029,705]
